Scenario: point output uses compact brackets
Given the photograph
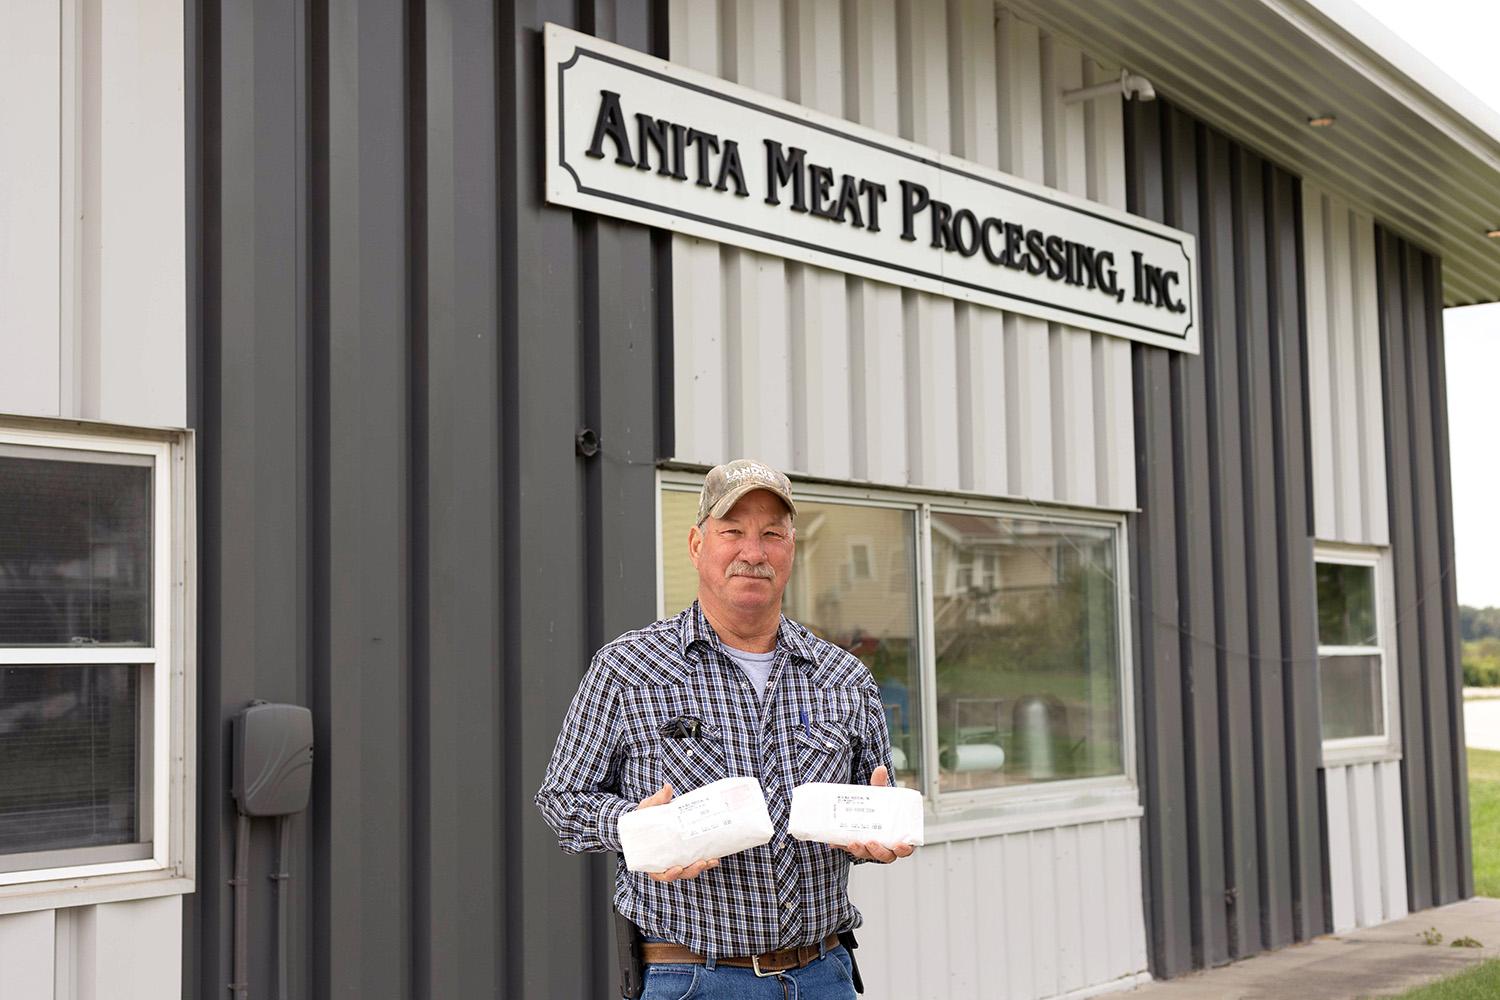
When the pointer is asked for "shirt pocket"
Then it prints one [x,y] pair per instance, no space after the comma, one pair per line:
[822,751]
[690,762]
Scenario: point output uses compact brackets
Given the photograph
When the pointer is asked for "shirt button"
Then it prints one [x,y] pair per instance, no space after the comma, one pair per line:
[787,906]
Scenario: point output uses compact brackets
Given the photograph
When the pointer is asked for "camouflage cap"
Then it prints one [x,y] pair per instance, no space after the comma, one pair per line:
[725,484]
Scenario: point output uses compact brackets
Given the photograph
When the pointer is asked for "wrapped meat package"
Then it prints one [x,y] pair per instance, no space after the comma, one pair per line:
[841,814]
[716,820]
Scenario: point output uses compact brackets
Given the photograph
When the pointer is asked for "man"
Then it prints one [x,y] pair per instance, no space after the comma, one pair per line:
[727,688]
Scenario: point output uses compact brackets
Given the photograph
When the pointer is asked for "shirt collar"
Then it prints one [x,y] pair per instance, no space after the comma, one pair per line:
[696,629]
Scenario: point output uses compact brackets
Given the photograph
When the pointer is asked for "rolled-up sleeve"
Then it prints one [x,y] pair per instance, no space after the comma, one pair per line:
[580,795]
[875,745]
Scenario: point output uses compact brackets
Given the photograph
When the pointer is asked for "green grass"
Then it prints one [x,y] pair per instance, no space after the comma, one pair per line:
[1482,982]
[1484,821]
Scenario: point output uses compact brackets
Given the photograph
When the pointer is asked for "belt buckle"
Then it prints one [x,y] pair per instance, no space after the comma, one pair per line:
[755,964]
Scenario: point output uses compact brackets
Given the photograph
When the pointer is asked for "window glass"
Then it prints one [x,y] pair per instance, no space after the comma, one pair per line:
[1346,605]
[836,592]
[1351,661]
[1352,694]
[1028,672]
[69,774]
[75,551]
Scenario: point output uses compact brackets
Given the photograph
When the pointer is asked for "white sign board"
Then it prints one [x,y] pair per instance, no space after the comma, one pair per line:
[638,138]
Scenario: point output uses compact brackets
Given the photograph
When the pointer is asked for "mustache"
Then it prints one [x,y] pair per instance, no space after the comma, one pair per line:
[739,567]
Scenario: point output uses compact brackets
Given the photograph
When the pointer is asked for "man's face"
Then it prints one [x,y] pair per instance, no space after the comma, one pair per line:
[745,557]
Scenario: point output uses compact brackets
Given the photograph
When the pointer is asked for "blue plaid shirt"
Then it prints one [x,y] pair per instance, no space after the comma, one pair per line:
[613,752]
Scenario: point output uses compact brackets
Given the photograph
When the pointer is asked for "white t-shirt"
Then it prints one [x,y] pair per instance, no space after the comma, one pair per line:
[757,666]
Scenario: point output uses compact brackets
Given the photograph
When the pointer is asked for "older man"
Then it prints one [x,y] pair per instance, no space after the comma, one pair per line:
[729,687]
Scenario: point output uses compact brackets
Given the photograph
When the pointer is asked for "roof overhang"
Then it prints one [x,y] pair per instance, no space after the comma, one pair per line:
[1410,146]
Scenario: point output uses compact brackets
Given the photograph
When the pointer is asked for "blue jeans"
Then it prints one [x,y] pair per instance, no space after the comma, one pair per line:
[826,978]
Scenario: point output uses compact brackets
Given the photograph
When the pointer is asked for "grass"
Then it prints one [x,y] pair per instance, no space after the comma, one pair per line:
[1482,982]
[1484,821]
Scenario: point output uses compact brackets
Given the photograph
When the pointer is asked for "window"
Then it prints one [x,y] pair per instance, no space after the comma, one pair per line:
[1027,657]
[1355,670]
[92,544]
[995,634]
[861,567]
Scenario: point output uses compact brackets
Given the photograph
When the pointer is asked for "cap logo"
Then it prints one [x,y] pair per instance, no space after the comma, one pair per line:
[751,472]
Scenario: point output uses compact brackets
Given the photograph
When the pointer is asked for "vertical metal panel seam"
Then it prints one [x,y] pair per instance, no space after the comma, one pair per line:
[1409,344]
[205,905]
[666,375]
[507,850]
[320,970]
[1288,349]
[1178,421]
[1387,272]
[1242,171]
[1442,456]
[418,472]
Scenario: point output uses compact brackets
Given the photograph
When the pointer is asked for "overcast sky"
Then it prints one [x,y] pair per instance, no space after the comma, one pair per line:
[1460,36]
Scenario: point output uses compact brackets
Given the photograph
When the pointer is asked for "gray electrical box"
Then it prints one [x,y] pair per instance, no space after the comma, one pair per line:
[273,747]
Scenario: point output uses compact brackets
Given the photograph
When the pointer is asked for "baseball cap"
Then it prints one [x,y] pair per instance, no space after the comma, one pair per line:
[725,484]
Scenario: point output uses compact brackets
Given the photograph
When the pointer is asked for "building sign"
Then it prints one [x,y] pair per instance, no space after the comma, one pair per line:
[638,138]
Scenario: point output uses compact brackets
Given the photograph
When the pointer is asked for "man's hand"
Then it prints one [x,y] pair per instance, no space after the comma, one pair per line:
[660,798]
[870,850]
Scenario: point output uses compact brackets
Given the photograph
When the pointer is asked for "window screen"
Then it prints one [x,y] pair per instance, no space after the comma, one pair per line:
[75,552]
[68,757]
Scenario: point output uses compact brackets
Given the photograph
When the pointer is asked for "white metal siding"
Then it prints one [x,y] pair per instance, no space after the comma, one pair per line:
[93,273]
[112,951]
[846,378]
[93,259]
[1366,849]
[1035,914]
[1344,394]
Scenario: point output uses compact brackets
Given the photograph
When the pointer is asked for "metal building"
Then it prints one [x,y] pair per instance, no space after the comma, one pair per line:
[320,387]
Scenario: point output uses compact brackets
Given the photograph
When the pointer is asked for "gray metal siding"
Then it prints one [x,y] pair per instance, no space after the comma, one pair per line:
[1223,565]
[1434,771]
[397,345]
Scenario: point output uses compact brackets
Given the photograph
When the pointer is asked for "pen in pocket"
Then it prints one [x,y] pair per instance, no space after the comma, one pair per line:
[806,727]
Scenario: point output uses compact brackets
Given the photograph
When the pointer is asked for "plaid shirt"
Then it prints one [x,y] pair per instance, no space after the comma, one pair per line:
[612,753]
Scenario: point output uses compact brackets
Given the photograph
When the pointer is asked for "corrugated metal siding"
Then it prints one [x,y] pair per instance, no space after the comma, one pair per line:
[1366,847]
[1223,565]
[1343,373]
[1024,915]
[1434,768]
[398,346]
[844,378]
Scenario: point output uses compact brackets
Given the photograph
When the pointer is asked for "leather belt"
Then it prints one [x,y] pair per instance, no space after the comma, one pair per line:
[767,964]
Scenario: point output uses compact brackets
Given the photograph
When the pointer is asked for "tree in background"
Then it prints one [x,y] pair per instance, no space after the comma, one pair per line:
[1481,634]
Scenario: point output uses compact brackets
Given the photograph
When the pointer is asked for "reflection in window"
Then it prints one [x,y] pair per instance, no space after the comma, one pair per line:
[1346,605]
[1028,673]
[836,593]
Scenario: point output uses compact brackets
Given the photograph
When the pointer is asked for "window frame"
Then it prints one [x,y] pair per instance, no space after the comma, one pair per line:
[166,688]
[1387,746]
[955,815]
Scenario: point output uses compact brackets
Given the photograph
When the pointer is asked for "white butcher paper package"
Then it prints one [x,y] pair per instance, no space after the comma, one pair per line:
[842,814]
[714,821]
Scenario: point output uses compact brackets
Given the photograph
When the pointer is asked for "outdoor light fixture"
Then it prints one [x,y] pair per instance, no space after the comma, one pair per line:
[1128,84]
[1321,121]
